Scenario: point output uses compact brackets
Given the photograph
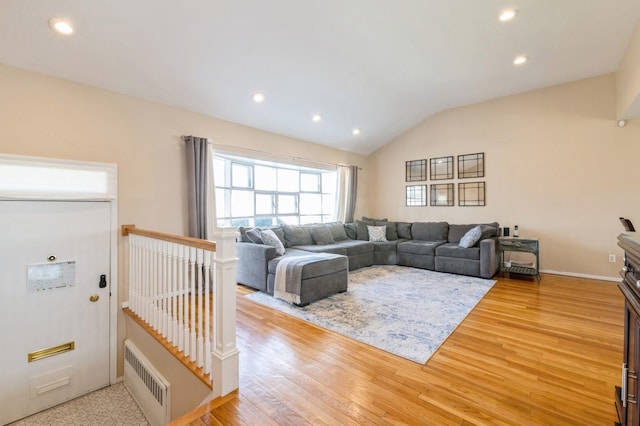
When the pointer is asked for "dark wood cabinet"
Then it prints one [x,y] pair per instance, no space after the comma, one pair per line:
[627,393]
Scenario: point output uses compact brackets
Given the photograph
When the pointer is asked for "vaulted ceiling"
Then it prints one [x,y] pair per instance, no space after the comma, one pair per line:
[379,66]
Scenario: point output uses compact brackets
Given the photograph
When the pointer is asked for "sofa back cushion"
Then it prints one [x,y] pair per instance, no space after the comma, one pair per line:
[430,231]
[297,235]
[404,230]
[456,232]
[337,230]
[351,229]
[321,234]
[363,233]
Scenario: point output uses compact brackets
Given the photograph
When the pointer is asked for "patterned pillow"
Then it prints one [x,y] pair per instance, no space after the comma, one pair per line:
[270,238]
[471,237]
[254,236]
[377,233]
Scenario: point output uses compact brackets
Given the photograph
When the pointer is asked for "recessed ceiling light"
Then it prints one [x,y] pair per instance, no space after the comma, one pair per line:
[356,131]
[508,14]
[316,118]
[519,60]
[61,26]
[258,97]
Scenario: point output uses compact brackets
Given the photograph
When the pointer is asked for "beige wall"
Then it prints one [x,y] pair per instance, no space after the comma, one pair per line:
[49,117]
[629,79]
[556,165]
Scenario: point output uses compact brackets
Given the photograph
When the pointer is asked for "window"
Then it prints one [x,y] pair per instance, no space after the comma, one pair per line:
[252,192]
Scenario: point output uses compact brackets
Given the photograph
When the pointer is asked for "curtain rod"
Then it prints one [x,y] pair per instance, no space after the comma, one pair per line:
[290,157]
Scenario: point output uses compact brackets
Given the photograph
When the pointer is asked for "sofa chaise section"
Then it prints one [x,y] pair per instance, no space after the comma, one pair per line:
[480,260]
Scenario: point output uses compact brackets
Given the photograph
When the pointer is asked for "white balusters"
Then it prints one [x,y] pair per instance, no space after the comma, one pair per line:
[171,285]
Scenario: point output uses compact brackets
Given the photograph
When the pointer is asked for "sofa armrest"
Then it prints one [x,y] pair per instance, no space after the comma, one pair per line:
[489,257]
[253,260]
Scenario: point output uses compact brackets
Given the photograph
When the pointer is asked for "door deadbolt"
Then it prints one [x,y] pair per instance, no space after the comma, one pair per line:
[94,298]
[103,281]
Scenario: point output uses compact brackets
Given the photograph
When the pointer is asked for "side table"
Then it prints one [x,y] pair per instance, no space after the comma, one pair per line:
[523,245]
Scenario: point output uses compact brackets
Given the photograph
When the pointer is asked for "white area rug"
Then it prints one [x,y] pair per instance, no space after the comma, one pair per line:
[406,311]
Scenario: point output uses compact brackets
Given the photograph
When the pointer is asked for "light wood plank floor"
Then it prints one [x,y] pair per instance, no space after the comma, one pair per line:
[528,354]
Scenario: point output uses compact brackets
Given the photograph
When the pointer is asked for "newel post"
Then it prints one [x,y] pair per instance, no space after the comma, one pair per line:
[225,354]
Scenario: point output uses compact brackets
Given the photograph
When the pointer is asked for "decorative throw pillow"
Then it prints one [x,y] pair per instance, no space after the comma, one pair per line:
[471,237]
[377,233]
[254,235]
[270,238]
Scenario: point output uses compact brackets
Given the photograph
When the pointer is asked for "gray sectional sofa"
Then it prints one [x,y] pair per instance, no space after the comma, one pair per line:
[427,245]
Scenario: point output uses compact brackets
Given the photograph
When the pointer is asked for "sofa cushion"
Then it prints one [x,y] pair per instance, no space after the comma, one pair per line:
[361,229]
[271,239]
[471,237]
[337,230]
[327,248]
[430,231]
[321,234]
[456,232]
[253,236]
[404,230]
[384,246]
[322,267]
[392,229]
[377,233]
[370,219]
[419,247]
[356,247]
[297,235]
[351,229]
[454,250]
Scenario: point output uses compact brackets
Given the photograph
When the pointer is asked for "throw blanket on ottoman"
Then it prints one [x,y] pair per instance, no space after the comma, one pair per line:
[289,276]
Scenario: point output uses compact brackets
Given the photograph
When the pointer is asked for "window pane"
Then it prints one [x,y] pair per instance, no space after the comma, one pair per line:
[287,204]
[265,178]
[241,175]
[310,203]
[265,221]
[240,222]
[241,203]
[309,182]
[310,219]
[329,182]
[265,204]
[288,180]
[289,220]
[328,204]
[222,200]
[218,172]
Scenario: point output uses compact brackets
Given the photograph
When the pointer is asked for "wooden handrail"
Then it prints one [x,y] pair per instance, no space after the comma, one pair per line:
[172,238]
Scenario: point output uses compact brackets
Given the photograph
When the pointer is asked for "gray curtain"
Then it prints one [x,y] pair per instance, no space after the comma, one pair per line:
[347,183]
[198,171]
[352,193]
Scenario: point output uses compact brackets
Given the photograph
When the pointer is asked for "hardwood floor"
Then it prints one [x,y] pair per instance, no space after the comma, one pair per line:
[528,354]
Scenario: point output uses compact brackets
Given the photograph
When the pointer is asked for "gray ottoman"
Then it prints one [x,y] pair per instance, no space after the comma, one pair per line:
[325,275]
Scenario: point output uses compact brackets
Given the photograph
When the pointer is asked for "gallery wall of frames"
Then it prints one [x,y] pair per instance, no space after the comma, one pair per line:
[439,172]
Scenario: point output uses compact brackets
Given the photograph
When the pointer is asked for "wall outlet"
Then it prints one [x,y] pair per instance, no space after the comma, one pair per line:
[612,258]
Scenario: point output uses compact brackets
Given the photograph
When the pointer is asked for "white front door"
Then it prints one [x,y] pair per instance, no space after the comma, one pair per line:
[54,303]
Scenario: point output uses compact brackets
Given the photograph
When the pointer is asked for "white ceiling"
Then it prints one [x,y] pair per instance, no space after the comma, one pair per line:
[379,65]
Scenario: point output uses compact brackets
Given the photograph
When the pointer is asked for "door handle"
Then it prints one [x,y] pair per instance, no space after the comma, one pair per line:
[94,298]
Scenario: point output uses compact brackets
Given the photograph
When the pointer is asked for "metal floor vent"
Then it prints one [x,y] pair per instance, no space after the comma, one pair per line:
[146,385]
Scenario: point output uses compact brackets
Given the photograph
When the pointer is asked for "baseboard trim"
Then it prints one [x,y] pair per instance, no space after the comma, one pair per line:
[577,275]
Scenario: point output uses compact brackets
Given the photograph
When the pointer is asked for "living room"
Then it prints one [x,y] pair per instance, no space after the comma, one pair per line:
[558,165]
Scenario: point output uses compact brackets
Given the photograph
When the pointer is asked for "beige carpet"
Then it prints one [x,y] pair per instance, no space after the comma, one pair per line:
[112,405]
